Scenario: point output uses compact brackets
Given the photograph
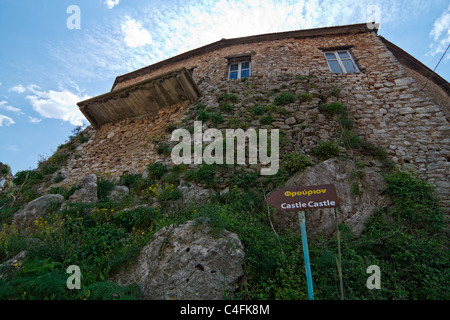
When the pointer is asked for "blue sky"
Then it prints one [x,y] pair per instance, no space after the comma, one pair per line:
[46,67]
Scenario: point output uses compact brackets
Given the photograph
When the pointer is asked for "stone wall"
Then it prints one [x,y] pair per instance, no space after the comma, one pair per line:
[384,99]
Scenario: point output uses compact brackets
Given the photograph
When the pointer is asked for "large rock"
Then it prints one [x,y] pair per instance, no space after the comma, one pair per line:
[12,265]
[118,193]
[354,210]
[187,262]
[195,194]
[38,207]
[87,192]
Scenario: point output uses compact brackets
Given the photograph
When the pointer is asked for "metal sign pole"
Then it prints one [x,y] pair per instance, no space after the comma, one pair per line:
[338,235]
[309,283]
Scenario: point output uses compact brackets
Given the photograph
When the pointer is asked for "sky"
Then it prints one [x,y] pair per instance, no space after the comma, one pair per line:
[55,53]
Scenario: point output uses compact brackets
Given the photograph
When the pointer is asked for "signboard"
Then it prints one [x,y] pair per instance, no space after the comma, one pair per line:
[301,199]
[304,198]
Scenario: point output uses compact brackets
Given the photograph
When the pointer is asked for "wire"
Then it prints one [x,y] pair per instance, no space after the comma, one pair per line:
[435,68]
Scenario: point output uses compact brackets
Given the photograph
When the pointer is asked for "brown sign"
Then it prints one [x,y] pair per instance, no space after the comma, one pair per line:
[304,198]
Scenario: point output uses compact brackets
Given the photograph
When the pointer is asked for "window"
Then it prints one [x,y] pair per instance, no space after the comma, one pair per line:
[239,68]
[341,62]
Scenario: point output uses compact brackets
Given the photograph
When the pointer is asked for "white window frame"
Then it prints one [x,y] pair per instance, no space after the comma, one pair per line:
[338,59]
[239,70]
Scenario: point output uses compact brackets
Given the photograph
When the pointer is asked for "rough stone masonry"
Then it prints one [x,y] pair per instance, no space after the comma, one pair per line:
[397,102]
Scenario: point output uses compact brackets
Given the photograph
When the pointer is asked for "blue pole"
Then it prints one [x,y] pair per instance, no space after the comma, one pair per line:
[309,283]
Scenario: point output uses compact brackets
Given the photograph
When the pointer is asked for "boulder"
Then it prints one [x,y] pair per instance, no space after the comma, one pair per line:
[12,265]
[187,262]
[118,193]
[354,209]
[36,208]
[194,194]
[87,192]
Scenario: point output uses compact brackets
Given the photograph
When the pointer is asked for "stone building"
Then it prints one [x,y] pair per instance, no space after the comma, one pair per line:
[395,101]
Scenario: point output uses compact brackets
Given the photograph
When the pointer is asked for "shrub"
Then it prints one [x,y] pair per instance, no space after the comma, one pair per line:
[156,170]
[104,186]
[163,148]
[271,109]
[332,108]
[30,176]
[266,120]
[284,98]
[245,179]
[227,97]
[66,193]
[205,174]
[303,97]
[5,169]
[294,162]
[325,150]
[257,110]
[138,218]
[82,139]
[349,139]
[131,180]
[216,118]
[59,177]
[345,121]
[203,116]
[225,107]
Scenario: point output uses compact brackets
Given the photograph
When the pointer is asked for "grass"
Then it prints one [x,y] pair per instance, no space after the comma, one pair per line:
[406,242]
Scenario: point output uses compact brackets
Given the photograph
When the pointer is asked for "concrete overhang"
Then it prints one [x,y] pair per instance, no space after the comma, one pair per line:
[141,99]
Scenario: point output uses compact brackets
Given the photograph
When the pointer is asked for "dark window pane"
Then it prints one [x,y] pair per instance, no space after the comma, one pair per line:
[245,65]
[334,66]
[330,56]
[344,55]
[245,73]
[348,65]
[233,75]
[234,67]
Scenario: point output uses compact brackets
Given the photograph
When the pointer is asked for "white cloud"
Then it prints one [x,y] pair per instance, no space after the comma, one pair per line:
[14,148]
[19,89]
[109,49]
[111,3]
[34,120]
[135,34]
[5,121]
[441,34]
[4,105]
[58,105]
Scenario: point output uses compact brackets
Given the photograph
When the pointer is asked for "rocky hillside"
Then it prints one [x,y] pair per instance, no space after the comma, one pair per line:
[145,228]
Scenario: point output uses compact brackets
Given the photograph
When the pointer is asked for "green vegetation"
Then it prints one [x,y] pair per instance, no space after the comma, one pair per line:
[258,110]
[156,170]
[303,97]
[284,98]
[332,108]
[325,150]
[227,97]
[407,240]
[294,162]
[266,120]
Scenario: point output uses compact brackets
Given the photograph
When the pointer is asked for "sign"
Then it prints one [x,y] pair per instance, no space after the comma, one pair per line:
[301,199]
[304,198]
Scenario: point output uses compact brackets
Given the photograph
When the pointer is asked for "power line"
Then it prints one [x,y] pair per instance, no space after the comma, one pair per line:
[435,68]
